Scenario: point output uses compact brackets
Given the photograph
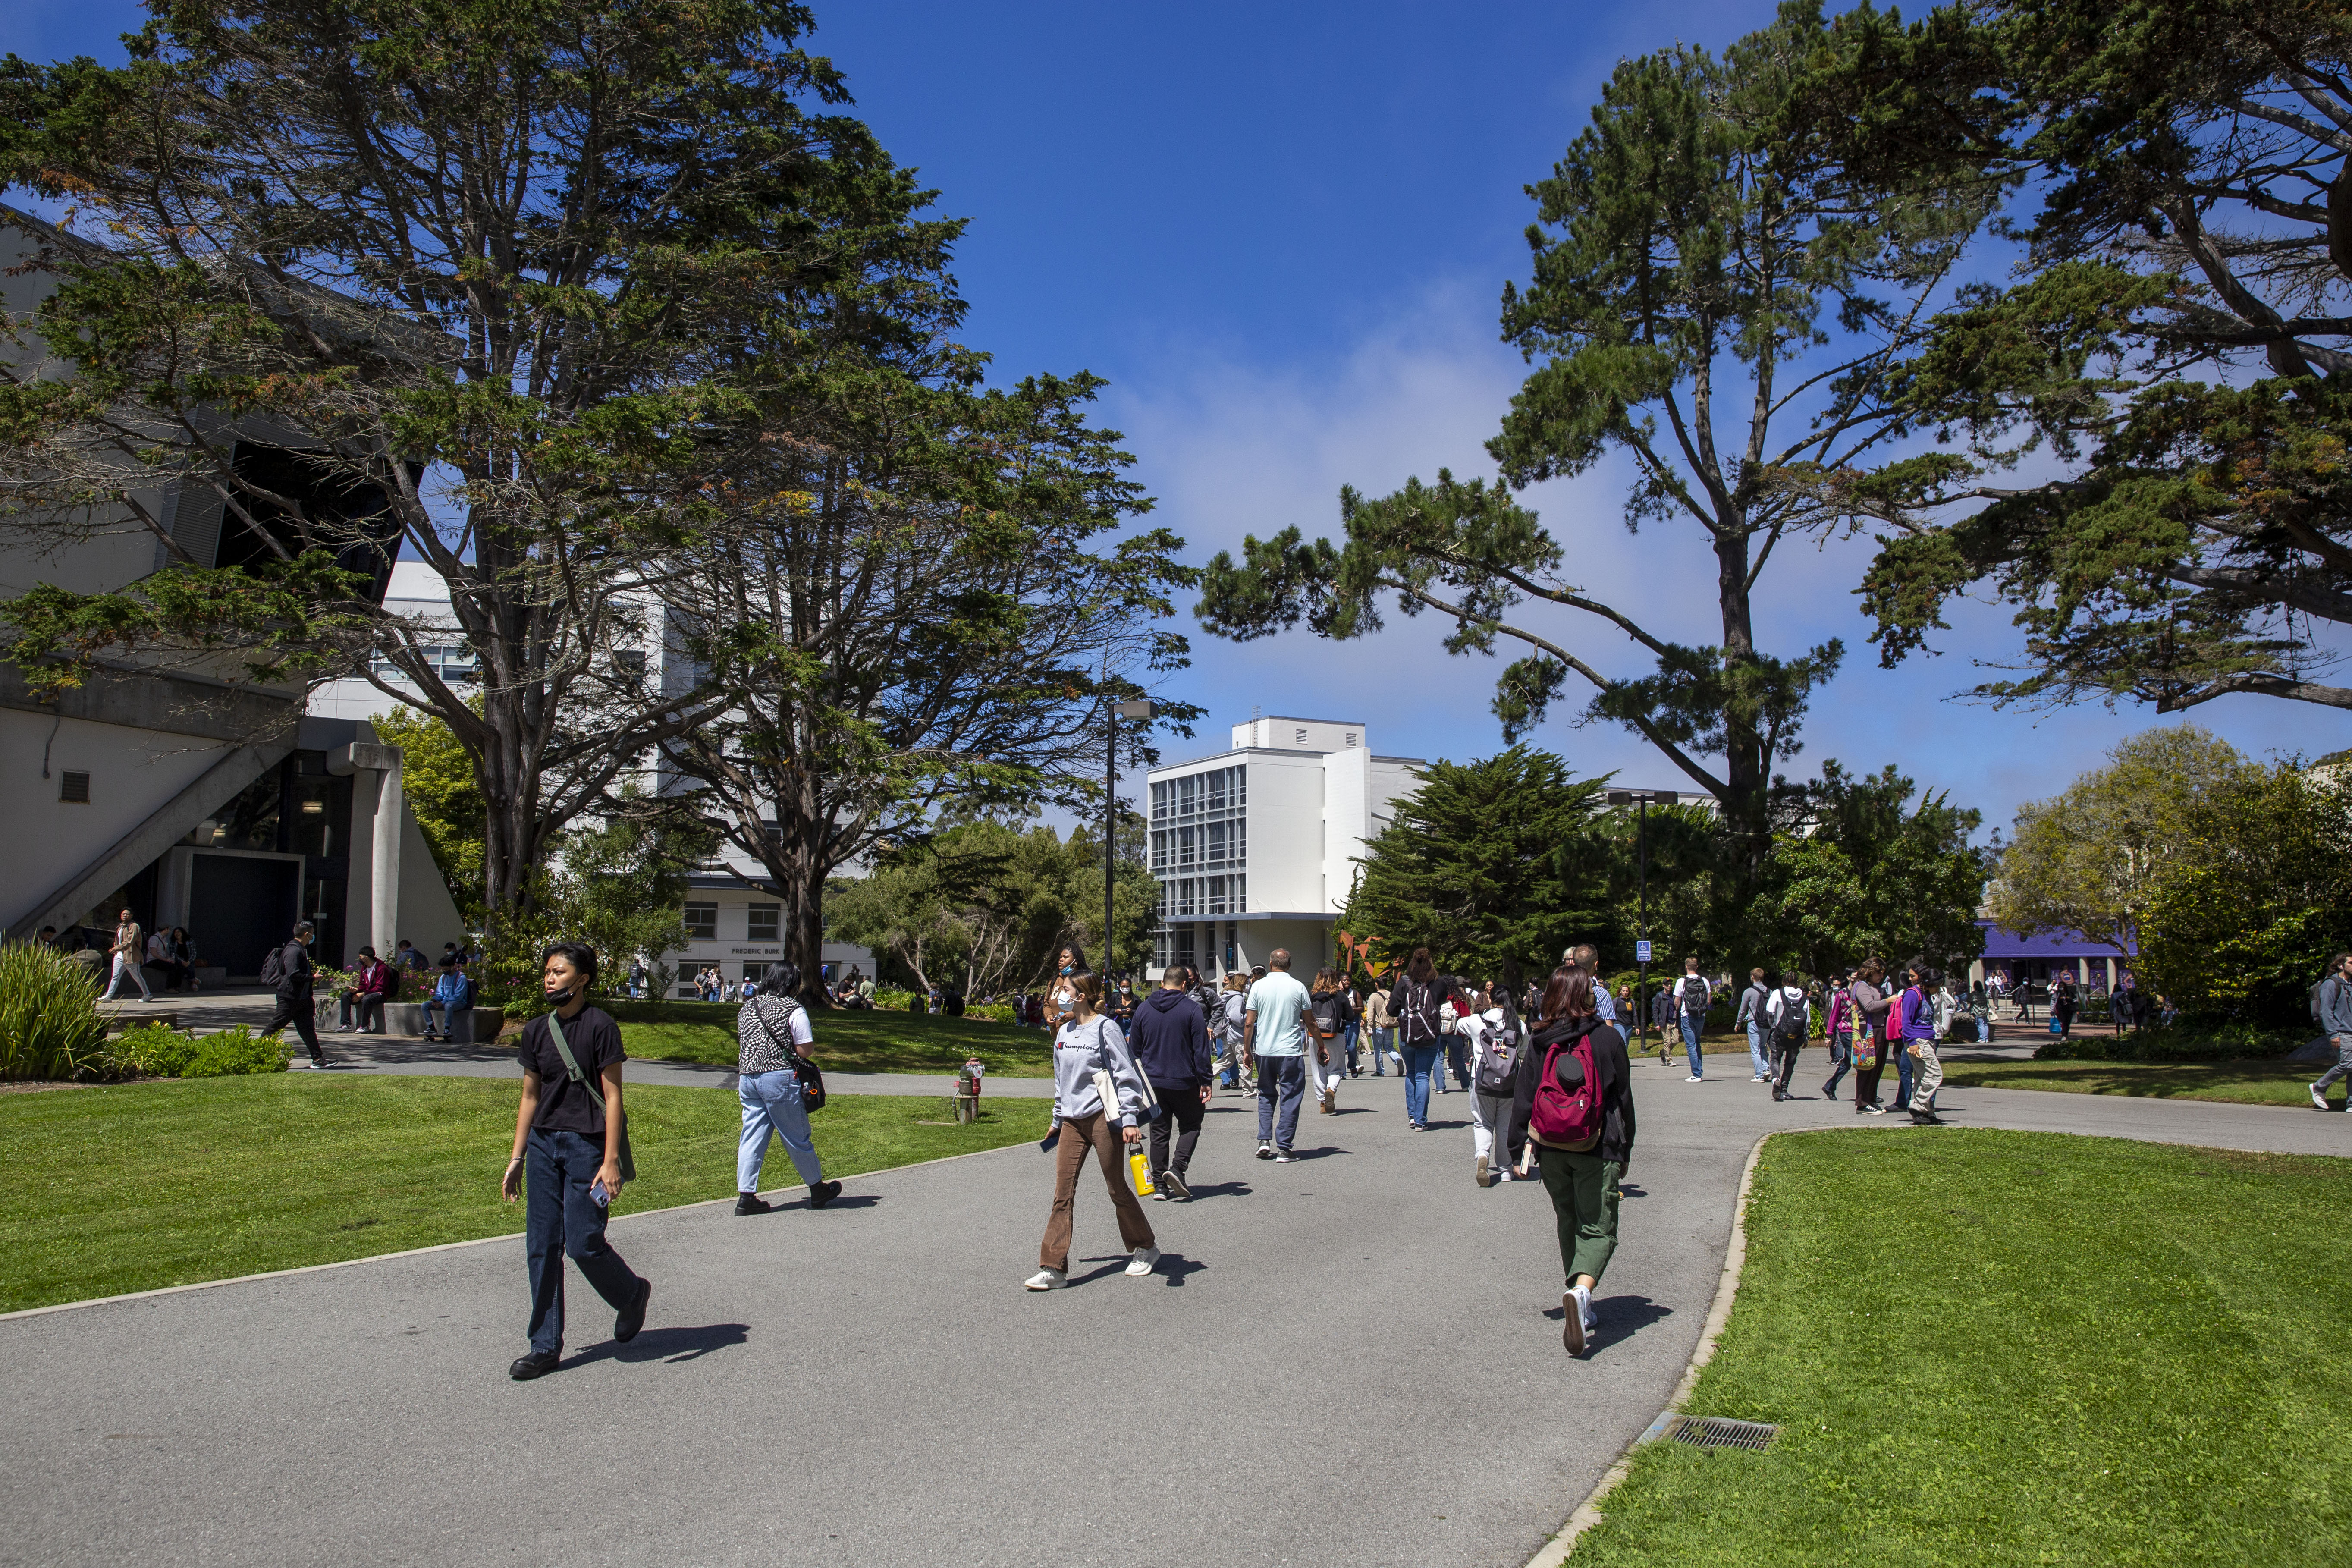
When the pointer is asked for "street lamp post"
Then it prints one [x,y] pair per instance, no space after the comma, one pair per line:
[1639,800]
[1138,708]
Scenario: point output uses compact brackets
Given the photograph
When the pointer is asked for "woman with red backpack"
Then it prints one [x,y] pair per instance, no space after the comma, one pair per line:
[1572,1116]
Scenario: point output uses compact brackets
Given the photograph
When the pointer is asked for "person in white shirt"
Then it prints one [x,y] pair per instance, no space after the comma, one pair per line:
[1276,1017]
[1786,1020]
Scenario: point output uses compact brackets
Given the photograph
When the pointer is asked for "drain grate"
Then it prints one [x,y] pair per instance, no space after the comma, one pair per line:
[1720,1432]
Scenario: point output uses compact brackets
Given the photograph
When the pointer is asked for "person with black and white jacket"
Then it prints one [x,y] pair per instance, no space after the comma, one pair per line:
[1090,1053]
[771,1028]
[1788,1018]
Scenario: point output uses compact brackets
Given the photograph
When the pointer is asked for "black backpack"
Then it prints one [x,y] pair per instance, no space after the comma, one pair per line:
[273,967]
[1497,1074]
[1789,1029]
[1692,993]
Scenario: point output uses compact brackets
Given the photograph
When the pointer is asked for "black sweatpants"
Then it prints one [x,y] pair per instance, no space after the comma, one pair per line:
[1786,1056]
[1180,1103]
[301,1013]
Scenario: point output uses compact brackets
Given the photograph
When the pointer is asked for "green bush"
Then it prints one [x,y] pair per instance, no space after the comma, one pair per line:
[150,1050]
[49,1023]
[2184,1041]
[232,1053]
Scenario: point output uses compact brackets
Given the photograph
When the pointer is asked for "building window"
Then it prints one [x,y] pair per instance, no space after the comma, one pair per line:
[1185,837]
[1237,890]
[1159,800]
[74,788]
[1352,738]
[755,969]
[1158,845]
[1302,737]
[764,921]
[702,922]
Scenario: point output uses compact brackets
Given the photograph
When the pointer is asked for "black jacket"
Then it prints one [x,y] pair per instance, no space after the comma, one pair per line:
[296,985]
[1609,1065]
[1171,1039]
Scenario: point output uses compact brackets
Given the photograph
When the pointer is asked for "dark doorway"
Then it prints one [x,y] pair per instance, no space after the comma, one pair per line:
[240,907]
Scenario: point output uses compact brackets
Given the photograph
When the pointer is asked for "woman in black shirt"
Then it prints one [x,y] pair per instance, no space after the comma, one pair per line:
[571,1133]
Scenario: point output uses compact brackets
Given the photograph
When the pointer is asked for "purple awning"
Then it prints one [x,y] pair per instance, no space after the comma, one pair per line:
[2000,943]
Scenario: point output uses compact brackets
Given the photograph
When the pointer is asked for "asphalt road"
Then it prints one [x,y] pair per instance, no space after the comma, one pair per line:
[1352,1359]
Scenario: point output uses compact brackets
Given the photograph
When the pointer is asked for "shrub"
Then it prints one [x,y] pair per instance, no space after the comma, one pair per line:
[232,1053]
[2184,1041]
[49,1023]
[150,1050]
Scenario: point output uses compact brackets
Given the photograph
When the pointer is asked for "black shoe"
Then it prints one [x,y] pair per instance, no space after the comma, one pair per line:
[633,1318]
[538,1364]
[1777,1095]
[824,1192]
[1172,1183]
[752,1203]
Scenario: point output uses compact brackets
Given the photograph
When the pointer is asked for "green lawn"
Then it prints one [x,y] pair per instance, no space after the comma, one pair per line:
[2248,1083]
[846,1041]
[1994,1348]
[133,1186]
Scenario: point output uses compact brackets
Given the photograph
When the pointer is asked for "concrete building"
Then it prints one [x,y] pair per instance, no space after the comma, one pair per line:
[1254,847]
[182,789]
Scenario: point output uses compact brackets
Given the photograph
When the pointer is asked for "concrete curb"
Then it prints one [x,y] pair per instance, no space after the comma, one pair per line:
[1588,1512]
[448,1245]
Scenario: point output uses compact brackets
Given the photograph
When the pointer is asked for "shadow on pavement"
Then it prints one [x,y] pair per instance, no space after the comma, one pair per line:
[1297,1155]
[1621,1318]
[669,1344]
[1109,1267]
[1173,1266]
[849,1201]
[1221,1190]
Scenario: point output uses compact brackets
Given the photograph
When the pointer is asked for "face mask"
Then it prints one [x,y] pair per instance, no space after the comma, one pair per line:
[1066,969]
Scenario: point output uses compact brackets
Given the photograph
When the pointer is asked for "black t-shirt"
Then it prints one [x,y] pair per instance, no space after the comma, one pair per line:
[564,1106]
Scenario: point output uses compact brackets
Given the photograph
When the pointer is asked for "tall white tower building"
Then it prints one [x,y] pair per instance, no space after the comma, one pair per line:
[1255,847]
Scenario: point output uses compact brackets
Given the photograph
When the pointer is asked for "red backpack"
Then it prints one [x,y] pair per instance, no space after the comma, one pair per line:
[1562,1119]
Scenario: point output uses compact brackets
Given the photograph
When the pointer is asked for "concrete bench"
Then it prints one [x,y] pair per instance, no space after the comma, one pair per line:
[473,1025]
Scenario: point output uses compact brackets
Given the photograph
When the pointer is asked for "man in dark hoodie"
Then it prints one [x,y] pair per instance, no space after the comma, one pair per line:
[1171,1040]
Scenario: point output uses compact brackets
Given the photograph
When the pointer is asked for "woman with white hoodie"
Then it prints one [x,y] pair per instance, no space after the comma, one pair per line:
[1495,1038]
[1100,1102]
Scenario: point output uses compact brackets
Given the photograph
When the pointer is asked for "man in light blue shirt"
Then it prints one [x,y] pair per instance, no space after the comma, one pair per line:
[1273,1041]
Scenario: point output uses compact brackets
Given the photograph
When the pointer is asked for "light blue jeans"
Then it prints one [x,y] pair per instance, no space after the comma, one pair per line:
[1689,1023]
[1420,1062]
[771,1103]
[1756,1048]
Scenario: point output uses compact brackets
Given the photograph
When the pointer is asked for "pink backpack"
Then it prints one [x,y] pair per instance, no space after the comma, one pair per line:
[1562,1120]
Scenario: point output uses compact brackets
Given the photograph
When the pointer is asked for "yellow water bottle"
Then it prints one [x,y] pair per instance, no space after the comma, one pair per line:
[1139,1165]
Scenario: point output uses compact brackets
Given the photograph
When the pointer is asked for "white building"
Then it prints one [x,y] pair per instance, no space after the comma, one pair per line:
[184,791]
[1255,849]
[733,910]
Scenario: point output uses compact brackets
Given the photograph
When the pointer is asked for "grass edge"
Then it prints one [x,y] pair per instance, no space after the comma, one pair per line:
[451,1246]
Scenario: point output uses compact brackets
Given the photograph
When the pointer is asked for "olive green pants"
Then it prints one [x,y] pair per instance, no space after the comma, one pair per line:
[1583,1189]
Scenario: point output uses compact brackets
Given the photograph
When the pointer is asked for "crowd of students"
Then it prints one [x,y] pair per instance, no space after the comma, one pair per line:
[1548,1072]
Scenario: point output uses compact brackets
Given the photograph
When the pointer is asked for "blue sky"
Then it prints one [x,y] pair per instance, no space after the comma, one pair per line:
[1280,232]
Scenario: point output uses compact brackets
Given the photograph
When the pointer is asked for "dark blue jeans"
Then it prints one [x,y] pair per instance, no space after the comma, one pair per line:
[1282,1078]
[560,1217]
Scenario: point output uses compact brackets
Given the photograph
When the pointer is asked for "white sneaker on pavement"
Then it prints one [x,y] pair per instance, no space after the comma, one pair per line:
[1141,1264]
[1046,1280]
[2318,1099]
[1694,1078]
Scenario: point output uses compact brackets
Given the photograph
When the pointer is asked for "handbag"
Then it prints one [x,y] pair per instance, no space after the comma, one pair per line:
[572,1066]
[811,1079]
[2057,1026]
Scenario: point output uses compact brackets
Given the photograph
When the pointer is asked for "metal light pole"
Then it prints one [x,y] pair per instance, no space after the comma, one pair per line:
[1639,800]
[1133,707]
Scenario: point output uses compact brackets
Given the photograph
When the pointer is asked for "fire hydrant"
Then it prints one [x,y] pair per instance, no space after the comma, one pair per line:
[967,1095]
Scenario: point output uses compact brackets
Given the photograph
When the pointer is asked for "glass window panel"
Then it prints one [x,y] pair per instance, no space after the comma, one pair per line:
[764,921]
[702,922]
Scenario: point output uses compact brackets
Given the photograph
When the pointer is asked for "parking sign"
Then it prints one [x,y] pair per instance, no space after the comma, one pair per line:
[1641,952]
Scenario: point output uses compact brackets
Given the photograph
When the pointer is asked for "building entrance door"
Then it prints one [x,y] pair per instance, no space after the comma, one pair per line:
[240,906]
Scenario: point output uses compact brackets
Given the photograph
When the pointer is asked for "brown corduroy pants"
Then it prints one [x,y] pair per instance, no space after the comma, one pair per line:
[1102,1134]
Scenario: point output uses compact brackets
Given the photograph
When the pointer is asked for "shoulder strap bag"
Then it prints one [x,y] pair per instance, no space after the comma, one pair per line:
[571,1067]
[812,1079]
[1108,1088]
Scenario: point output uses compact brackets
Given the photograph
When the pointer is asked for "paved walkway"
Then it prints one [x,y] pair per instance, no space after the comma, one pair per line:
[1352,1360]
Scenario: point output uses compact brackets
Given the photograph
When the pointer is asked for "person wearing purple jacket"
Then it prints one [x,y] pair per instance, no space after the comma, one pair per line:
[1171,1040]
[1916,1009]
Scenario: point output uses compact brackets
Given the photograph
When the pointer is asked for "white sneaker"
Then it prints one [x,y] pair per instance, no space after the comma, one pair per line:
[1046,1280]
[2318,1099]
[1694,1078]
[1141,1264]
[1759,1078]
